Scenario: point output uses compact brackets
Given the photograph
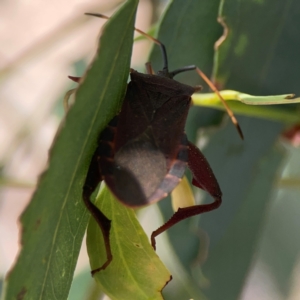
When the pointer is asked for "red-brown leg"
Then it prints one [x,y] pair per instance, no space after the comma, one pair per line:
[204,178]
[92,180]
[94,177]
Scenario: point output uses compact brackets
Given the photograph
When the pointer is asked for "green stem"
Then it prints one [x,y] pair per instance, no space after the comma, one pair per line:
[254,110]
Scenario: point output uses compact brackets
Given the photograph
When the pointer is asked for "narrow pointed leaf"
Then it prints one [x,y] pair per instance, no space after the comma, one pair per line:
[135,271]
[259,56]
[55,220]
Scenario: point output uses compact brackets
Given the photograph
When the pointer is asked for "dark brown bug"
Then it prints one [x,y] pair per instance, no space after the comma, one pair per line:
[143,152]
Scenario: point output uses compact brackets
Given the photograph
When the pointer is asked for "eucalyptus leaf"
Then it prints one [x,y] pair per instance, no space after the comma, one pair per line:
[54,223]
[255,60]
[246,171]
[135,271]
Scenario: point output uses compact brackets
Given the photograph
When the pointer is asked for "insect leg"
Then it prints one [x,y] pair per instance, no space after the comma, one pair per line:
[204,178]
[229,111]
[93,178]
[95,175]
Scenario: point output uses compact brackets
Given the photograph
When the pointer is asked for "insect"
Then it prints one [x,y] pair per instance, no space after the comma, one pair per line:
[143,152]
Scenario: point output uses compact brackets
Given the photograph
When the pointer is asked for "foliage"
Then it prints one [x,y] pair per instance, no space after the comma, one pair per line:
[55,221]
[256,224]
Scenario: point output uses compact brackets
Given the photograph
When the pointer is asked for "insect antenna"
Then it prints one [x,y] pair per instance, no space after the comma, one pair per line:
[165,72]
[215,90]
[229,111]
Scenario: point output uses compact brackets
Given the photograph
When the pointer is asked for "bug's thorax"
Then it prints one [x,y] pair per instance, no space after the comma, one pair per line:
[157,102]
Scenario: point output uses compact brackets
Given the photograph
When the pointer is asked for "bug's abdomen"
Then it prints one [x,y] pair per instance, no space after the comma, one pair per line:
[139,173]
[139,169]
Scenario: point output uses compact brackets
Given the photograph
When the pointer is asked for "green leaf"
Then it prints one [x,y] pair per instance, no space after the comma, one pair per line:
[135,271]
[254,60]
[280,248]
[189,30]
[246,171]
[55,220]
[260,52]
